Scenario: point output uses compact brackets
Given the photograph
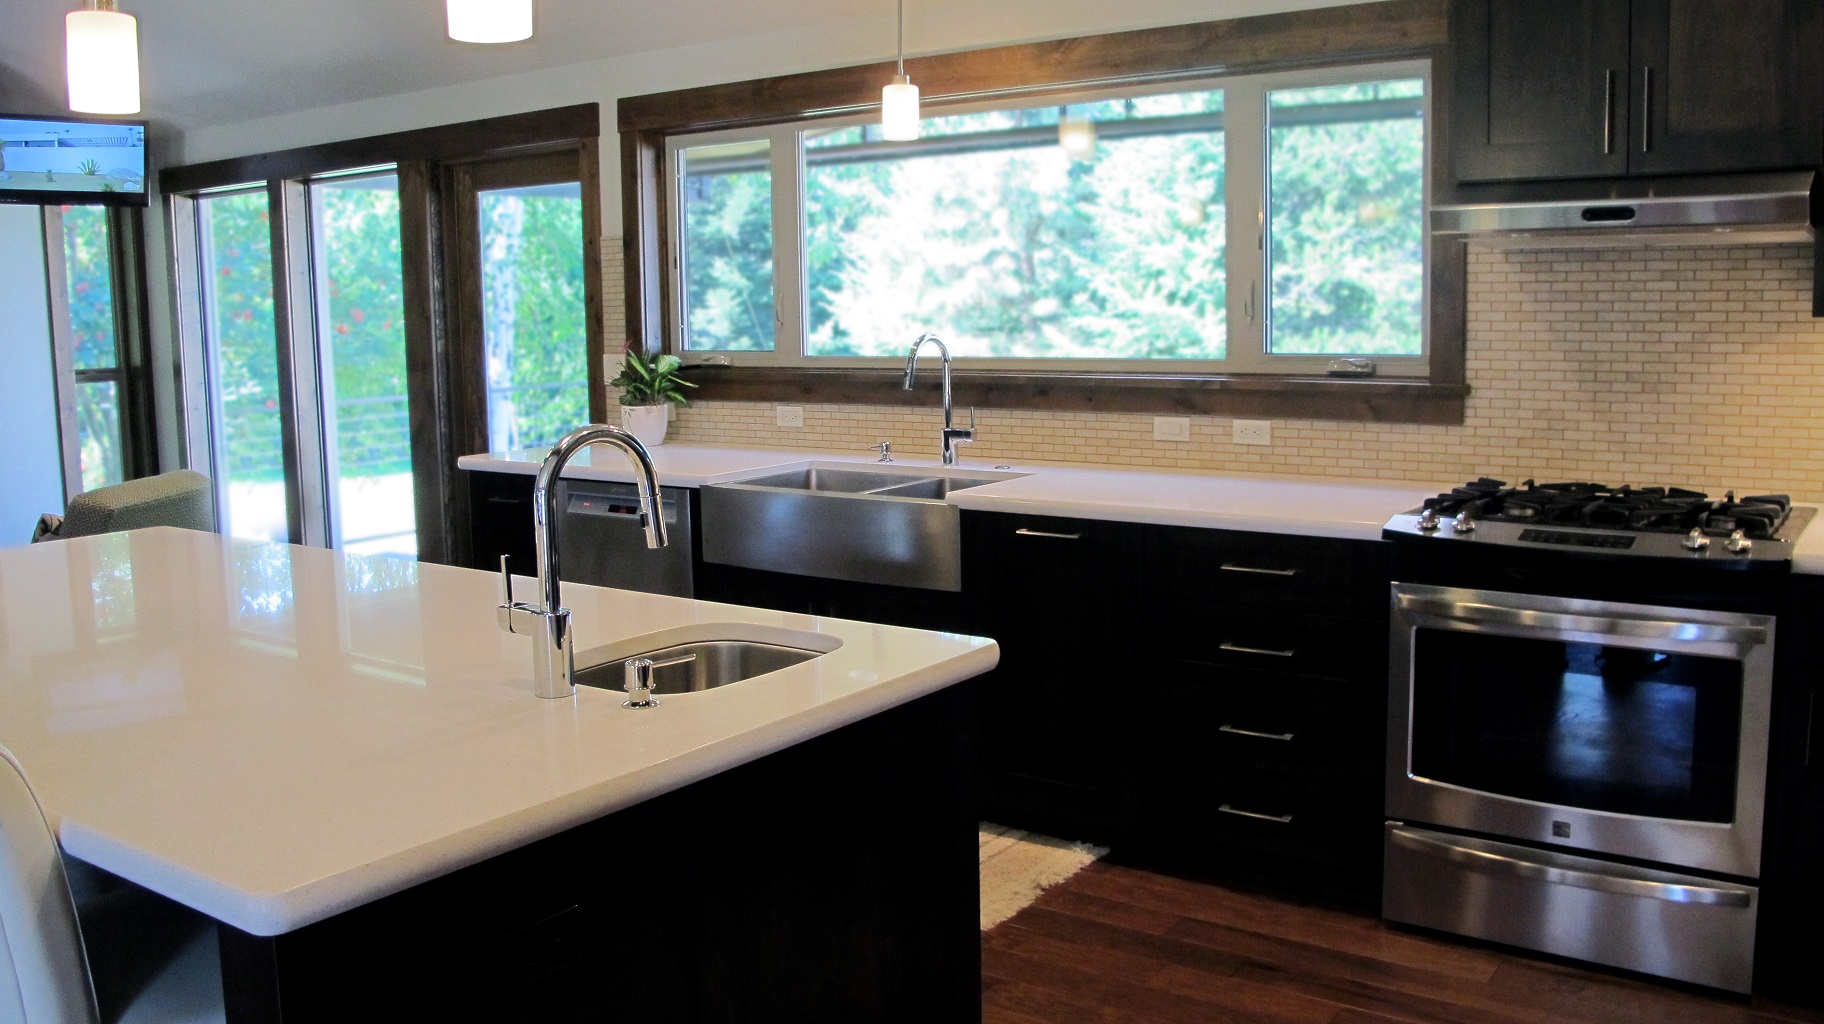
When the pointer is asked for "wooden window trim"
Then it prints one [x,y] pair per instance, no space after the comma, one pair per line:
[1355,34]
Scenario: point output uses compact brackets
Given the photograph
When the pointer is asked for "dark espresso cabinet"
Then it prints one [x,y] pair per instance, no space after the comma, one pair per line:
[1792,889]
[1061,596]
[1541,89]
[1548,89]
[1259,746]
[1726,85]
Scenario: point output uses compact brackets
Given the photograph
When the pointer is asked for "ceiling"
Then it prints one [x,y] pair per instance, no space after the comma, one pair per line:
[207,63]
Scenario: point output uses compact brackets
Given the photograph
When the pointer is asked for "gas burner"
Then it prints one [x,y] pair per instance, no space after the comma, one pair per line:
[1626,508]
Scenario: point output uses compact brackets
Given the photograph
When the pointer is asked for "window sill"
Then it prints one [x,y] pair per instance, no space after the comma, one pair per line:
[1373,400]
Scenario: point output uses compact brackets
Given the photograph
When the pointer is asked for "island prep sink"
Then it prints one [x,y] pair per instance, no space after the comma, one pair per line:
[879,524]
[689,668]
[690,659]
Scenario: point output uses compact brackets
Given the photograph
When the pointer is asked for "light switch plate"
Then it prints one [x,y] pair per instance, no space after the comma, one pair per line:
[1252,432]
[1171,428]
[790,415]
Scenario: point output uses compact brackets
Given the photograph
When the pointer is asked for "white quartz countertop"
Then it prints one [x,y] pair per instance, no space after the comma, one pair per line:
[1270,504]
[275,734]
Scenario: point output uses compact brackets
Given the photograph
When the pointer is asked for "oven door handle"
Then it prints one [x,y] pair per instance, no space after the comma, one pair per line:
[1601,625]
[1721,895]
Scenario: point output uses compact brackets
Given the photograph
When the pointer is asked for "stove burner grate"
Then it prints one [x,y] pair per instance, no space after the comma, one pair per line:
[1636,509]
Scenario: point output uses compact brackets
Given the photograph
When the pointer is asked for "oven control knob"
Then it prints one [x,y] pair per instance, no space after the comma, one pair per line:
[1465,523]
[1739,543]
[1428,520]
[1695,540]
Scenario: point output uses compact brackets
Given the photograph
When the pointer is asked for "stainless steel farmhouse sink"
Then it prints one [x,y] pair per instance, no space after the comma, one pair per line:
[874,525]
[690,659]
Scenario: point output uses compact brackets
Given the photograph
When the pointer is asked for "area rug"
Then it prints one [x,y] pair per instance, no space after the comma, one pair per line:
[1017,866]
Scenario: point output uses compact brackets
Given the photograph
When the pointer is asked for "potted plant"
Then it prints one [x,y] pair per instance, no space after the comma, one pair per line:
[649,387]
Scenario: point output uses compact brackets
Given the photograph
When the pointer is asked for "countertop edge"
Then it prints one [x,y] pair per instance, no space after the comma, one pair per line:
[281,912]
[985,499]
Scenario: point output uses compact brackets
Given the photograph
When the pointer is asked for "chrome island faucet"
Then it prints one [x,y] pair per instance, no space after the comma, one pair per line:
[951,435]
[548,624]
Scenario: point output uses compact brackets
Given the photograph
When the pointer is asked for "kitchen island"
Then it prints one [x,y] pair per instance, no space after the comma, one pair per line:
[340,759]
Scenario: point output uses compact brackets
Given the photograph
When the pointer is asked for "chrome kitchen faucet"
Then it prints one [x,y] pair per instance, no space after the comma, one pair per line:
[951,435]
[548,623]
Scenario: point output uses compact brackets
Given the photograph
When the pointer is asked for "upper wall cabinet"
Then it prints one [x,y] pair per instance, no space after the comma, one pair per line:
[1601,88]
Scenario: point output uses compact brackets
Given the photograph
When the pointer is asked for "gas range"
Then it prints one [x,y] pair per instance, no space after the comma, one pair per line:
[1587,519]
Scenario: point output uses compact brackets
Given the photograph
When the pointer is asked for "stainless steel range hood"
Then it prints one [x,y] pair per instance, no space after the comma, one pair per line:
[1713,209]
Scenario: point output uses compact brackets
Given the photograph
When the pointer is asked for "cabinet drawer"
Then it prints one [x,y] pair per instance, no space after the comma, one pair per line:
[1264,570]
[1268,641]
[1210,732]
[1275,818]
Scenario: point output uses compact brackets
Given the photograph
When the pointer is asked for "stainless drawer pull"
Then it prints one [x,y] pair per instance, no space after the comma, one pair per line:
[1283,737]
[1232,567]
[1277,819]
[1047,535]
[1239,649]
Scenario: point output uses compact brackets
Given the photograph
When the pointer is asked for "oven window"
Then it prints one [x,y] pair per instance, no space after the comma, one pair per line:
[1613,729]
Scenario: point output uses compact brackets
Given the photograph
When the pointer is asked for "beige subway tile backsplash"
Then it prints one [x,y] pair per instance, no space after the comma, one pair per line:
[1691,366]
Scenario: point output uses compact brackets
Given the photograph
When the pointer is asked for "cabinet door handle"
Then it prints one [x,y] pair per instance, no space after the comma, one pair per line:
[1047,534]
[1283,737]
[1646,109]
[1239,649]
[1277,819]
[1232,567]
[1608,111]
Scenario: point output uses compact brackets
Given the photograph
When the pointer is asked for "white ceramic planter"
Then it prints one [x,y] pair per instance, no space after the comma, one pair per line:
[646,422]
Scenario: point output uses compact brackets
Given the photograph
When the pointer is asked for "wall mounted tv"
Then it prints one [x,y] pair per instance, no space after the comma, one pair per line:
[56,161]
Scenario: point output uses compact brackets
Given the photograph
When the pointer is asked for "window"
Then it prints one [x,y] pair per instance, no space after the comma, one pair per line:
[95,351]
[1258,224]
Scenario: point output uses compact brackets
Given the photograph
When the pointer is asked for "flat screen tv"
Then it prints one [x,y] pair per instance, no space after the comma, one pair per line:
[52,161]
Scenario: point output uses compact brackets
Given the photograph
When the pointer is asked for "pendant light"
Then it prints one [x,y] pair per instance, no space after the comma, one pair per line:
[899,100]
[489,21]
[1078,137]
[101,49]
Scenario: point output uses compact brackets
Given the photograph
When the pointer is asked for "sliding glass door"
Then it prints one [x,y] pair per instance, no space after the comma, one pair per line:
[360,326]
[234,235]
[331,385]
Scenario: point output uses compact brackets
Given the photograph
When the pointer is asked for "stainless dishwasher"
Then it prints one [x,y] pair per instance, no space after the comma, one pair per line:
[600,541]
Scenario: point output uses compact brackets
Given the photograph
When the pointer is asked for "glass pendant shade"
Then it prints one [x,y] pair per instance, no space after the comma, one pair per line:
[1078,138]
[102,51]
[489,21]
[899,110]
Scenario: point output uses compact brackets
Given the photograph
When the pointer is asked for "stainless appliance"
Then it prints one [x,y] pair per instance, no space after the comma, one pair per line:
[1582,680]
[1673,210]
[602,541]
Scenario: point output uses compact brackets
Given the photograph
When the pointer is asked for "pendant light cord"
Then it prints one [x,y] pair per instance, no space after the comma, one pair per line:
[902,38]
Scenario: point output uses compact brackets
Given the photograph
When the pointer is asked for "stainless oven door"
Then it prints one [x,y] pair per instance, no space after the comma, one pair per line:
[1632,730]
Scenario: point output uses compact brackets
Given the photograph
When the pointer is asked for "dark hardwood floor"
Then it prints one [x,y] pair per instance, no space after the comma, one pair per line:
[1115,945]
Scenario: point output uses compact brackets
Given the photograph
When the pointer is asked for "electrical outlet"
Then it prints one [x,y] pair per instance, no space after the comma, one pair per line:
[1252,432]
[790,415]
[1171,428]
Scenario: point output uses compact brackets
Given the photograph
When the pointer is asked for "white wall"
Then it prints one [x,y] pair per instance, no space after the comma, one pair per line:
[31,472]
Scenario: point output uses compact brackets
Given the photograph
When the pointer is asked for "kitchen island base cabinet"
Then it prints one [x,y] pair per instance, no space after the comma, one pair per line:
[832,881]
